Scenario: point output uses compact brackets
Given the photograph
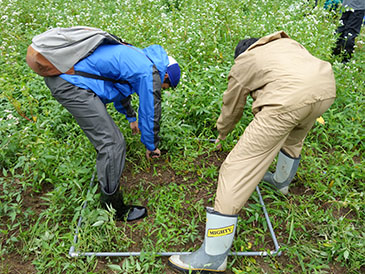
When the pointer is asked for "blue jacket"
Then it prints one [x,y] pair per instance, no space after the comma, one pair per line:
[124,62]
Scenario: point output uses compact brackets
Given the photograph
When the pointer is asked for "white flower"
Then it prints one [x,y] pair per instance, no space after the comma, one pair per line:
[10,116]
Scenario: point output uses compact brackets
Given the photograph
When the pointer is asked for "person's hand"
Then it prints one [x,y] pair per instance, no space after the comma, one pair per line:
[134,127]
[153,154]
[218,142]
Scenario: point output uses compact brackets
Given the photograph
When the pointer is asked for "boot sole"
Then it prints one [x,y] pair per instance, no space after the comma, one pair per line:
[193,271]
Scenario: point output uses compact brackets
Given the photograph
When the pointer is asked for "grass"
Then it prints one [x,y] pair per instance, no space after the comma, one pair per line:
[46,162]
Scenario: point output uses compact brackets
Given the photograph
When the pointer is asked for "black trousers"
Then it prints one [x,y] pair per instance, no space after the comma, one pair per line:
[348,30]
[93,118]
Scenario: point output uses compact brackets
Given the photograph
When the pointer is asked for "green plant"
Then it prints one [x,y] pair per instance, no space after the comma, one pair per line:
[46,162]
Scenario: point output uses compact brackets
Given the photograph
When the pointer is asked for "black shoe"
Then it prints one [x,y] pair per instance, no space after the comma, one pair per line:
[131,213]
[123,212]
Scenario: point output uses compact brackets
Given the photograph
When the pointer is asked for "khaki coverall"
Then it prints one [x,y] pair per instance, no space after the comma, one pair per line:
[290,88]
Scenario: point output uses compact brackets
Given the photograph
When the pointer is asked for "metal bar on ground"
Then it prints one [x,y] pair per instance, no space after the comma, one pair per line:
[74,253]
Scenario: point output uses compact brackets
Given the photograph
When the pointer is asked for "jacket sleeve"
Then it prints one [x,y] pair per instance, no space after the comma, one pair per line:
[149,112]
[234,100]
[124,106]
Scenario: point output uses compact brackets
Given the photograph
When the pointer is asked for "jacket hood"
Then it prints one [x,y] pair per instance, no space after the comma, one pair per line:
[268,38]
[158,57]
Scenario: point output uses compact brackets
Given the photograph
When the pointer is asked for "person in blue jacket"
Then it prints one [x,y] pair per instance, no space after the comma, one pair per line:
[144,72]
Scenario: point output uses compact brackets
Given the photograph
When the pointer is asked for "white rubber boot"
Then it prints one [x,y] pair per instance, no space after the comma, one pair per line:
[211,257]
[286,168]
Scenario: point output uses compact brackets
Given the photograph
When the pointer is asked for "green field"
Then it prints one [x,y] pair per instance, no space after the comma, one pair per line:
[46,162]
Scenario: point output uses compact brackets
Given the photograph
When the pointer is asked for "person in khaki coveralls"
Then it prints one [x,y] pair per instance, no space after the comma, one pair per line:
[290,88]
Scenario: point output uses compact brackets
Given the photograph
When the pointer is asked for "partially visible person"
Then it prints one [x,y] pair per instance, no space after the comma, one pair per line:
[331,4]
[146,71]
[291,88]
[350,27]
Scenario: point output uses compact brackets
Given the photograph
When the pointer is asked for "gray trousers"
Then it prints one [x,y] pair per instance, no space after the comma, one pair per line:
[93,118]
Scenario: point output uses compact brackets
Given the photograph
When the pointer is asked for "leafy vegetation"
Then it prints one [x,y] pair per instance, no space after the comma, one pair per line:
[46,162]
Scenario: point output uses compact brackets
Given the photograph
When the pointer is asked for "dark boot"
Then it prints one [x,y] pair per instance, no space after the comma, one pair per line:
[122,212]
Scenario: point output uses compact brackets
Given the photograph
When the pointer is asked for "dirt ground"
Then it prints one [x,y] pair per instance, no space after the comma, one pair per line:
[15,263]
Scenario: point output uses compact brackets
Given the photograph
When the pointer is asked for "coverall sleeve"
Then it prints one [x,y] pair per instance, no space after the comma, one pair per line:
[124,106]
[149,112]
[234,100]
